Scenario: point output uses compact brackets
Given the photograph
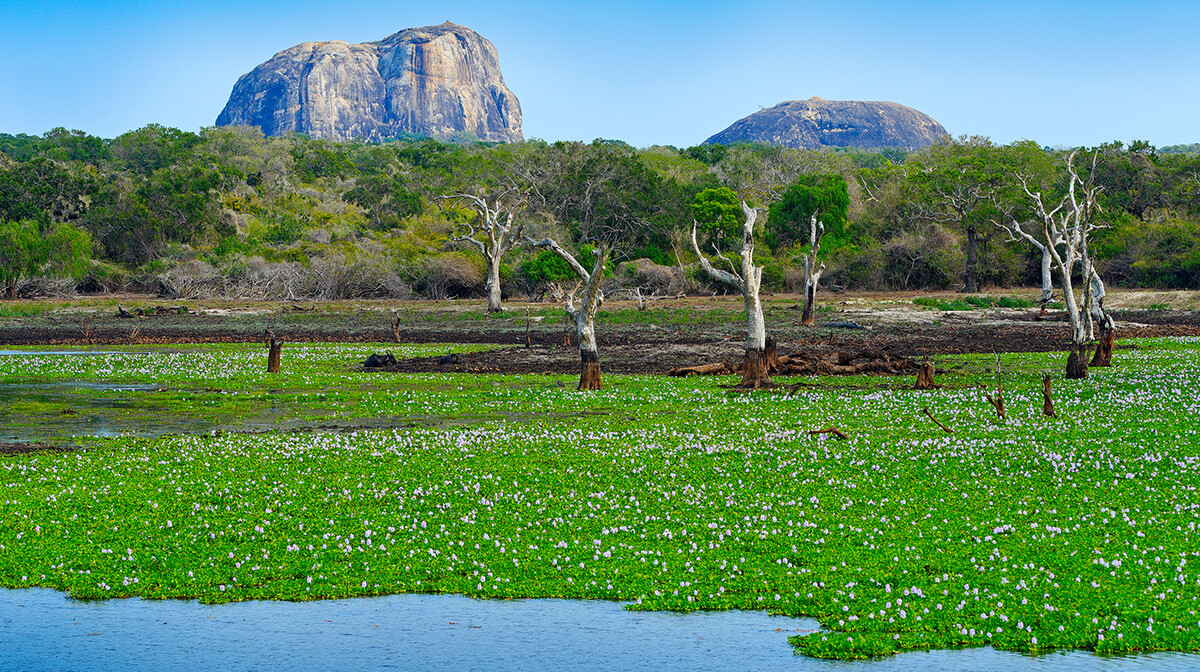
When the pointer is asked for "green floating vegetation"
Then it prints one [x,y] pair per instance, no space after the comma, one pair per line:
[1026,534]
[972,302]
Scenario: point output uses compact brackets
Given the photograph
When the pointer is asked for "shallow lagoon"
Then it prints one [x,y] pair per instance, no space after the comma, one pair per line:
[43,630]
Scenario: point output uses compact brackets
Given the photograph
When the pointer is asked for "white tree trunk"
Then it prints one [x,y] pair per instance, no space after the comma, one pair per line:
[493,284]
[812,272]
[1047,278]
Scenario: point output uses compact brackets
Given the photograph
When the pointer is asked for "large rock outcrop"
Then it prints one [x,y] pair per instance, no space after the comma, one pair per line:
[815,123]
[438,81]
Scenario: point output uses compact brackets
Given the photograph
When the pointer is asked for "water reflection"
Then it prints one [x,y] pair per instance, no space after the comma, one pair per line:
[43,630]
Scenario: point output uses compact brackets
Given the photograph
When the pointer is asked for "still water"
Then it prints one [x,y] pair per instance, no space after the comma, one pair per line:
[42,630]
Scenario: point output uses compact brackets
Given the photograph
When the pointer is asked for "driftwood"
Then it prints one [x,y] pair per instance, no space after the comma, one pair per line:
[1047,402]
[829,430]
[845,363]
[939,422]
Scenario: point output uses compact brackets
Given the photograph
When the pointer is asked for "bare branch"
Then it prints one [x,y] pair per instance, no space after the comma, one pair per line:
[726,277]
[554,247]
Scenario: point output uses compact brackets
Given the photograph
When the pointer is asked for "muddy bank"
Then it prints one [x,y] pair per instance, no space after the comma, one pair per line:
[687,332]
[627,353]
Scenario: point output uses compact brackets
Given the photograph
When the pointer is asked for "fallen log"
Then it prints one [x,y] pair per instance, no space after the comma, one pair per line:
[700,370]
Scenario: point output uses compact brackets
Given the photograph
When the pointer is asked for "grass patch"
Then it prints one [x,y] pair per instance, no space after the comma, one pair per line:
[29,308]
[971,302]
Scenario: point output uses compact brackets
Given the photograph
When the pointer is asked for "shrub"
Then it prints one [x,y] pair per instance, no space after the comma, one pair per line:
[653,278]
[450,275]
[354,275]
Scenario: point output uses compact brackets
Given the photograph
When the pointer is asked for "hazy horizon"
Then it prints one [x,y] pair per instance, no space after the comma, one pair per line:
[1061,73]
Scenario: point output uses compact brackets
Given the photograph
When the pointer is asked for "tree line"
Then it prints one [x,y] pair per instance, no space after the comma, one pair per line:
[230,212]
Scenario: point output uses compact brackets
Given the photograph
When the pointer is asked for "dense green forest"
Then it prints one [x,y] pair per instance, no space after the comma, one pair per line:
[228,212]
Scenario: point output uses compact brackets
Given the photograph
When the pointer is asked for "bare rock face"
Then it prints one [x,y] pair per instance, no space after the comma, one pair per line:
[815,123]
[437,81]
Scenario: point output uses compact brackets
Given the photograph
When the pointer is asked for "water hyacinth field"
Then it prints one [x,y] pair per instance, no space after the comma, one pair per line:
[1027,534]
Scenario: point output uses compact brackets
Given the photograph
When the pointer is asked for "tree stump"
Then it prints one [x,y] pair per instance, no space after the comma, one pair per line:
[925,376]
[1076,364]
[810,305]
[1047,402]
[589,370]
[771,357]
[754,370]
[1104,348]
[274,350]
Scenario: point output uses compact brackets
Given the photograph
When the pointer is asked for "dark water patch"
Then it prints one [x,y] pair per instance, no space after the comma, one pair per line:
[51,411]
[43,630]
[35,447]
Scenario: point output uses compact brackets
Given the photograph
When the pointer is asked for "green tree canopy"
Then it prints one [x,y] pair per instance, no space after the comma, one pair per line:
[29,250]
[827,196]
[718,215]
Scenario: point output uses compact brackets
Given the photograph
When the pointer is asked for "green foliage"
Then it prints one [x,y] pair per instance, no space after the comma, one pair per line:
[152,148]
[657,255]
[320,159]
[789,221]
[546,266]
[287,230]
[971,302]
[718,214]
[385,199]
[27,249]
[707,154]
[1164,252]
[156,187]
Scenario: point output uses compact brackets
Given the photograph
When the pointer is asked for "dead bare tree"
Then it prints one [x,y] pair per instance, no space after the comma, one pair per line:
[1068,225]
[755,372]
[503,229]
[1015,233]
[812,272]
[585,315]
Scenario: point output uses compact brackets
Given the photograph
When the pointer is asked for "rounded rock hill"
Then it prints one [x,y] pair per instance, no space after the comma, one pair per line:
[816,123]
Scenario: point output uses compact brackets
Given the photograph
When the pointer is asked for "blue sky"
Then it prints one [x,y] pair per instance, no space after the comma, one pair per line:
[1059,72]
